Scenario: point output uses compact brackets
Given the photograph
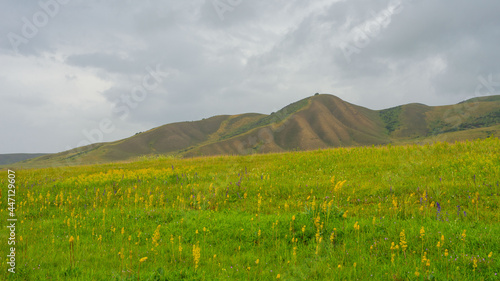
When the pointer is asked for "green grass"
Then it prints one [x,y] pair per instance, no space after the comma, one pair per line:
[280,209]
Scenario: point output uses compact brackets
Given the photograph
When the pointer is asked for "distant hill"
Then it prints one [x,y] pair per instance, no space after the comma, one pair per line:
[6,159]
[315,122]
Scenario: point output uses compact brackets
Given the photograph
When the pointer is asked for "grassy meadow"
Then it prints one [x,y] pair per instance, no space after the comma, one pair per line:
[428,212]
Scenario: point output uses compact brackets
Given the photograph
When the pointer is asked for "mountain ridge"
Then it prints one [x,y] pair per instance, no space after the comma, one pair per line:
[316,122]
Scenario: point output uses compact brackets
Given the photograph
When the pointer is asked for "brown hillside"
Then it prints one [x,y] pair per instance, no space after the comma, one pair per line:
[325,122]
[414,121]
[168,138]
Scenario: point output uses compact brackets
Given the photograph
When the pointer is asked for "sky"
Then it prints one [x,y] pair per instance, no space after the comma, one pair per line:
[75,72]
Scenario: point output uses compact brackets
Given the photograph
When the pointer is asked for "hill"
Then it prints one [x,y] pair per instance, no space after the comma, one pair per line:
[316,122]
[6,159]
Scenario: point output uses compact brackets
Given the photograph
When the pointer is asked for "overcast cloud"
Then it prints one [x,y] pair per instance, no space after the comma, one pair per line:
[74,71]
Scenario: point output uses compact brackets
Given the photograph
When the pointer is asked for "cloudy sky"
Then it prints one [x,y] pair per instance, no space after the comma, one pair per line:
[74,71]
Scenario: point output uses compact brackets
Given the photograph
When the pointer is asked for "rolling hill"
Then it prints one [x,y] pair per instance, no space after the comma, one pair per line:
[316,122]
[11,158]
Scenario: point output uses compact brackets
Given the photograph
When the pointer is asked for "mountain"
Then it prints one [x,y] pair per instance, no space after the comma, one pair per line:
[316,122]
[6,159]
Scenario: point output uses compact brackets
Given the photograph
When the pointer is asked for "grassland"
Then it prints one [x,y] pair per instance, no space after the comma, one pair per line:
[412,212]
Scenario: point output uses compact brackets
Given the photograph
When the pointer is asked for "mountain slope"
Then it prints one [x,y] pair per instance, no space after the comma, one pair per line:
[315,122]
[325,121]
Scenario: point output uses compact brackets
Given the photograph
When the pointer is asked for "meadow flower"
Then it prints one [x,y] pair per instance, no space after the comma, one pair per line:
[392,253]
[180,245]
[196,255]
[394,203]
[402,239]
[139,269]
[345,214]
[424,257]
[438,210]
[156,236]
[71,251]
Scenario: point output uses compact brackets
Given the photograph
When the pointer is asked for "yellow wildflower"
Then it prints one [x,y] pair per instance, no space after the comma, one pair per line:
[345,214]
[356,226]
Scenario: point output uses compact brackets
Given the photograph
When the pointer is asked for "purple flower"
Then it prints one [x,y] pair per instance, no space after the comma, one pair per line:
[438,210]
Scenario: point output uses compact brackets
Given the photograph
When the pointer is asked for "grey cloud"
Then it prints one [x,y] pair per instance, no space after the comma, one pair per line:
[227,14]
[261,56]
[107,62]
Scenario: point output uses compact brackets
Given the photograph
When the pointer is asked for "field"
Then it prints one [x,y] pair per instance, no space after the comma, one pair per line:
[413,212]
